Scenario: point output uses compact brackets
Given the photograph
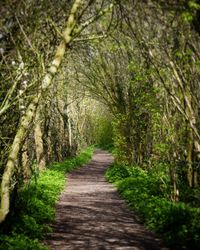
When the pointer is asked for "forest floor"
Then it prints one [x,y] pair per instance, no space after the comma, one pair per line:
[91,215]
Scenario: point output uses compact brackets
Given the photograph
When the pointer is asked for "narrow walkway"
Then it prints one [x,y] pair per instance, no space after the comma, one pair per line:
[91,215]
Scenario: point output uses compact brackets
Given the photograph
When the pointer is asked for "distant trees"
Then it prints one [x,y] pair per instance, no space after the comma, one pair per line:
[148,74]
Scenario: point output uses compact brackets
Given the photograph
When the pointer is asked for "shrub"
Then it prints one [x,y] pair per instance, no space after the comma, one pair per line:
[116,173]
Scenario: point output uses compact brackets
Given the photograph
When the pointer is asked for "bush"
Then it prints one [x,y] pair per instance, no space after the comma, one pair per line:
[116,173]
[177,223]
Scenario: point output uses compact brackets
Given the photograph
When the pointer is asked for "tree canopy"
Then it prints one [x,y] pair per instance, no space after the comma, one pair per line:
[119,74]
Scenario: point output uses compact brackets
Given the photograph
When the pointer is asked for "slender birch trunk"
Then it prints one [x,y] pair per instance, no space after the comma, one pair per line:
[25,161]
[39,148]
[30,112]
[22,109]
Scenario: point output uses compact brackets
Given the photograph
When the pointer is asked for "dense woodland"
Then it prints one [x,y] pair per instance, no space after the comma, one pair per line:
[120,74]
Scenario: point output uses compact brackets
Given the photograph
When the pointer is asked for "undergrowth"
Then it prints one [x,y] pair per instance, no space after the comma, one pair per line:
[148,193]
[108,147]
[35,206]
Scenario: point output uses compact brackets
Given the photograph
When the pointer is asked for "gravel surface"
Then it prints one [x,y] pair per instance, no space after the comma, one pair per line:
[91,215]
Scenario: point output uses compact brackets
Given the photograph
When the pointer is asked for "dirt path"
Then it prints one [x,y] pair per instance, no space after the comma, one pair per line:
[91,215]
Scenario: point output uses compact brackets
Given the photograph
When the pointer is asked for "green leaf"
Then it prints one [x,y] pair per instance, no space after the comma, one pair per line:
[193,5]
[187,17]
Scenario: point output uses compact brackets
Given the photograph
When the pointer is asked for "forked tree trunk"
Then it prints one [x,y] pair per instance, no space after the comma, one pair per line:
[30,112]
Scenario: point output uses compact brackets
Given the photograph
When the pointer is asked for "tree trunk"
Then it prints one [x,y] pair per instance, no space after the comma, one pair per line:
[25,161]
[28,116]
[189,157]
[39,142]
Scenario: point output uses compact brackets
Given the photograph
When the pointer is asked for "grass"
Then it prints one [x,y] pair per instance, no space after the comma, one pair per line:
[147,193]
[35,206]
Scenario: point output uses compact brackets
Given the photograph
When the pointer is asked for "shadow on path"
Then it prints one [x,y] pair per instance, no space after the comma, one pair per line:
[91,215]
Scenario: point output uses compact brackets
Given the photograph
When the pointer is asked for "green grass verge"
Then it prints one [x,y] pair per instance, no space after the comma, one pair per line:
[146,193]
[35,206]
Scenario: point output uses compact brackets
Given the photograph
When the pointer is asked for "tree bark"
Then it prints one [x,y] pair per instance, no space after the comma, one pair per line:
[39,142]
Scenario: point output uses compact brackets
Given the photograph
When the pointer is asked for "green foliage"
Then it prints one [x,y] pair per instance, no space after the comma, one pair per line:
[116,173]
[187,16]
[20,242]
[147,192]
[104,136]
[34,207]
[189,195]
[133,125]
[194,5]
[108,147]
[102,130]
[120,135]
